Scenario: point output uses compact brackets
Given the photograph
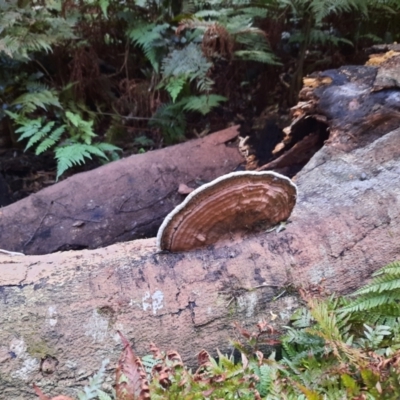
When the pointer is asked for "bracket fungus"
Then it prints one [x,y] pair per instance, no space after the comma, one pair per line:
[229,207]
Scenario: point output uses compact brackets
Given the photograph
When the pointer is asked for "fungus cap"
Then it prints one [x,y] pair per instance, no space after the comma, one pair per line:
[230,206]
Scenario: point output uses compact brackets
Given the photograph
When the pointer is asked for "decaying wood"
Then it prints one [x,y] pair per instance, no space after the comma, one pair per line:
[60,313]
[67,307]
[124,200]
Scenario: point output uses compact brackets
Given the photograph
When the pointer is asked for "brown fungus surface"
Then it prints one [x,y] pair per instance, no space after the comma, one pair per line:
[228,208]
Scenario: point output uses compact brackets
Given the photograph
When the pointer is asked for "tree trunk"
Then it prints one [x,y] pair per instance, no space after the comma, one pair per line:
[121,201]
[65,308]
[60,312]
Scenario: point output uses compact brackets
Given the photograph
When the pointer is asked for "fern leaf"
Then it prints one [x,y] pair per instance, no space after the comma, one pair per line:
[391,269]
[149,362]
[104,6]
[103,396]
[266,376]
[29,128]
[386,279]
[372,302]
[51,140]
[31,101]
[189,62]
[40,134]
[91,390]
[149,37]
[75,154]
[202,104]
[107,147]
[82,130]
[256,55]
[175,86]
[75,119]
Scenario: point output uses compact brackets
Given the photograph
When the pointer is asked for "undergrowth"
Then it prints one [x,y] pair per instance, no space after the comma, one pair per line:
[335,348]
[80,78]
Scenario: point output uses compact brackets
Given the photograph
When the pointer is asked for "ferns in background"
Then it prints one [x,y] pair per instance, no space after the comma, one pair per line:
[69,134]
[24,30]
[152,39]
[183,60]
[176,48]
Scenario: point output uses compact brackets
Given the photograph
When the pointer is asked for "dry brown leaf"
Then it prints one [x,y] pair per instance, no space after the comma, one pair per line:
[131,381]
[203,358]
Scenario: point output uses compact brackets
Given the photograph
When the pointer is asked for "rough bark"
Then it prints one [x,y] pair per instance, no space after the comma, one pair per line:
[68,306]
[124,200]
[63,309]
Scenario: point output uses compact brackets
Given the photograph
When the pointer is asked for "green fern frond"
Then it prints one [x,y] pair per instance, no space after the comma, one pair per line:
[75,154]
[322,8]
[104,4]
[149,362]
[27,30]
[188,62]
[28,127]
[175,85]
[169,118]
[254,12]
[103,396]
[30,101]
[50,141]
[302,318]
[266,376]
[150,37]
[256,55]
[380,298]
[92,389]
[319,36]
[392,268]
[372,302]
[386,279]
[80,129]
[202,104]
[107,147]
[40,134]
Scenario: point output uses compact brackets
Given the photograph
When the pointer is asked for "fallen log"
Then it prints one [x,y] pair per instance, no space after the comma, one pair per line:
[64,309]
[121,201]
[60,312]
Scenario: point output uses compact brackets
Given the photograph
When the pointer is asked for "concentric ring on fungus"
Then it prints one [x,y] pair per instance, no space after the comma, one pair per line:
[228,208]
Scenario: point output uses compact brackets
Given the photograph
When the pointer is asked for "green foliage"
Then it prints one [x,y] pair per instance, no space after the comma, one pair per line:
[202,104]
[36,96]
[187,59]
[178,49]
[44,134]
[171,120]
[184,66]
[27,29]
[379,299]
[151,38]
[75,154]
[93,389]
